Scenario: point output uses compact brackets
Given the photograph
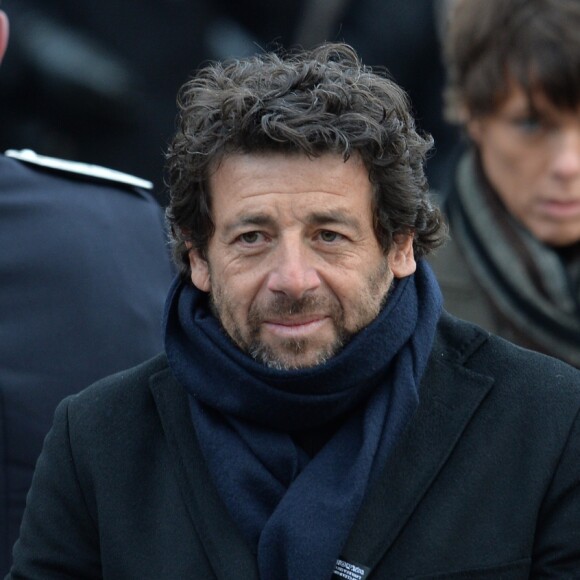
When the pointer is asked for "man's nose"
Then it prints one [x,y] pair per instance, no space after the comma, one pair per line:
[293,272]
[567,156]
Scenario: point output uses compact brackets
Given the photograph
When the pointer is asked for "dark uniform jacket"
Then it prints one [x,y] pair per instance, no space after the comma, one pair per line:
[84,272]
[485,482]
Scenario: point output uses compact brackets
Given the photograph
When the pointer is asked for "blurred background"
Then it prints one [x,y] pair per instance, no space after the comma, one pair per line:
[96,81]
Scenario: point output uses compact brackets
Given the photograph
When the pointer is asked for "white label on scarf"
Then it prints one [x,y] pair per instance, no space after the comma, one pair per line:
[350,571]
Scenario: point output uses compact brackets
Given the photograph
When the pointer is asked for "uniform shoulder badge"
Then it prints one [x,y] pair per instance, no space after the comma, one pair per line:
[94,171]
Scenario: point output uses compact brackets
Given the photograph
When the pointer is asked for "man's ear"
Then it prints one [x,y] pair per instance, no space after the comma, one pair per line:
[4,29]
[199,269]
[401,257]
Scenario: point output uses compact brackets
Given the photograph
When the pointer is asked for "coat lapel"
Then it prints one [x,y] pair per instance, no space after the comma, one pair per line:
[450,395]
[226,550]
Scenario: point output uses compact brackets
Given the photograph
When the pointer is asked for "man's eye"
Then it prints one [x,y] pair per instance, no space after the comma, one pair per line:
[250,237]
[328,236]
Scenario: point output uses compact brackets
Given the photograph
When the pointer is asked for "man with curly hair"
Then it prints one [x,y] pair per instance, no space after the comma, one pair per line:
[315,413]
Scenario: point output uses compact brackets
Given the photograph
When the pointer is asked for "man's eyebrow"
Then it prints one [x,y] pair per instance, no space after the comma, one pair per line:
[333,217]
[318,218]
[255,219]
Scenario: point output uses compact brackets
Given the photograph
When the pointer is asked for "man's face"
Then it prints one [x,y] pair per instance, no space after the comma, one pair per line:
[294,268]
[532,158]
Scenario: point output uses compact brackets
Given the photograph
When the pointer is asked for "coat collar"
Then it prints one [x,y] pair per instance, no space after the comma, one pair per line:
[450,396]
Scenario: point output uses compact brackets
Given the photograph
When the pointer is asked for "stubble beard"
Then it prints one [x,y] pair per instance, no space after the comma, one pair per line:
[288,352]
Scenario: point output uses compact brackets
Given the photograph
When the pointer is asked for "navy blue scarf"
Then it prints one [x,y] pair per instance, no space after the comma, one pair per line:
[296,512]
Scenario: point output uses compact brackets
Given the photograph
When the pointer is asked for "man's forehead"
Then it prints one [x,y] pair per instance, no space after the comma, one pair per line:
[296,169]
[262,180]
[274,190]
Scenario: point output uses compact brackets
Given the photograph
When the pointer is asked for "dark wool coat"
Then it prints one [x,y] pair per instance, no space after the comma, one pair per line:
[485,482]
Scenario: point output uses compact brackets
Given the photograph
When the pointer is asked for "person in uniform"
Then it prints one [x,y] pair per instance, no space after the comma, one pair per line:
[84,270]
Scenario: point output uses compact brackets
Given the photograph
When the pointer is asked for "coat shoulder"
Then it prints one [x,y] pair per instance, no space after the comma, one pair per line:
[523,372]
[122,397]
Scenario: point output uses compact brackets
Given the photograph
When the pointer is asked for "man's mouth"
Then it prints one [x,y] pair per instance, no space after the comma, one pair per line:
[295,327]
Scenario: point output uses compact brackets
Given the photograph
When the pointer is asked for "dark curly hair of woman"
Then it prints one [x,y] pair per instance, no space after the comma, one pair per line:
[310,102]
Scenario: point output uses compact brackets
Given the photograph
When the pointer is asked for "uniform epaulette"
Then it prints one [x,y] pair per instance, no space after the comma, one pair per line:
[78,168]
